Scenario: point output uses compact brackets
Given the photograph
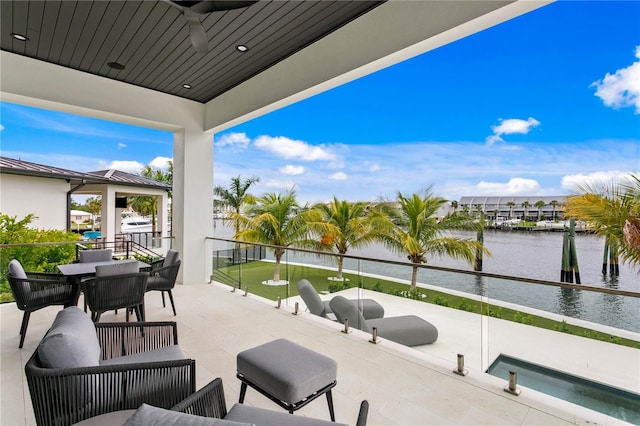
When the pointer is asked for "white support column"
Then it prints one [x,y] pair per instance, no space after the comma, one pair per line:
[163,215]
[110,215]
[192,202]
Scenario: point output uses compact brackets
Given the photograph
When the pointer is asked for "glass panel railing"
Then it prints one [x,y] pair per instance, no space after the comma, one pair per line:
[478,315]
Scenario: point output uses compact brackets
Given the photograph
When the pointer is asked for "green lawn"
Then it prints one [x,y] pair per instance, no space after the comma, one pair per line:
[253,274]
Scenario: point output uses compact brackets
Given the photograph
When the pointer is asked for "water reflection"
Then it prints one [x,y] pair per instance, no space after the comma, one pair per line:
[570,301]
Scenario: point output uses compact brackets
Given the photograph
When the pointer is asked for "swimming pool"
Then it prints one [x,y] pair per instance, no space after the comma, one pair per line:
[614,402]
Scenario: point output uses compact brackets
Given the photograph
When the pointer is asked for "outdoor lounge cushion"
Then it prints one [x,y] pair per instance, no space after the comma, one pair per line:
[95,255]
[262,417]
[148,415]
[167,353]
[409,330]
[70,342]
[286,370]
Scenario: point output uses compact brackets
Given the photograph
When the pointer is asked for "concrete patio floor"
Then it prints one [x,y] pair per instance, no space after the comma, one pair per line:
[404,386]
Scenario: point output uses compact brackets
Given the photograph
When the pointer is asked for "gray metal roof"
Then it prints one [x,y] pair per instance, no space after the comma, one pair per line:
[117,176]
[21,167]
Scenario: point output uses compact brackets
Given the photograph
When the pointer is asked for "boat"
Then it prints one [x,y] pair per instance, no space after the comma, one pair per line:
[133,222]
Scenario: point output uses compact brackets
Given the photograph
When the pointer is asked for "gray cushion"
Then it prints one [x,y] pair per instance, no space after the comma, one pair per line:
[158,282]
[263,417]
[286,370]
[125,267]
[409,330]
[171,258]
[150,415]
[168,353]
[311,298]
[344,309]
[16,270]
[70,342]
[95,255]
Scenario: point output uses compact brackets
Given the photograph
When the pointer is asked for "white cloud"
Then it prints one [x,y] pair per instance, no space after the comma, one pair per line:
[121,145]
[293,149]
[126,166]
[161,163]
[1,127]
[239,140]
[515,186]
[292,170]
[509,127]
[338,176]
[622,88]
[571,182]
[279,184]
[373,167]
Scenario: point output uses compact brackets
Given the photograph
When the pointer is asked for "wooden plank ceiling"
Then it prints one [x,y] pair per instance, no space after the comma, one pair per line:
[151,39]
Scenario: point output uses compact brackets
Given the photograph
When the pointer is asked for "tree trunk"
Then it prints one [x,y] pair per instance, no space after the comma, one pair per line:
[276,272]
[340,261]
[414,278]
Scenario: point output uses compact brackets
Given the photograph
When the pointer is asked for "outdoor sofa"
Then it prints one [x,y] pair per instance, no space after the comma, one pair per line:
[81,369]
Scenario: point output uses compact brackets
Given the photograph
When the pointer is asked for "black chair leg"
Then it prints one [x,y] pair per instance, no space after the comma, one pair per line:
[330,402]
[127,310]
[163,304]
[243,391]
[173,306]
[23,327]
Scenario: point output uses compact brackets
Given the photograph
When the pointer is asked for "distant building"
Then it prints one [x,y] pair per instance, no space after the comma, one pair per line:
[515,207]
[79,216]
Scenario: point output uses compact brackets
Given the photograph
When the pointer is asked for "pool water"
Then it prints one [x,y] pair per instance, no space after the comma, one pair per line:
[614,402]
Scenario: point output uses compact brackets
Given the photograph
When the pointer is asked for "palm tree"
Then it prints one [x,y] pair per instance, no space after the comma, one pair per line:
[415,230]
[278,220]
[236,196]
[93,206]
[351,227]
[613,209]
[540,205]
[511,204]
[554,204]
[148,205]
[454,204]
[526,205]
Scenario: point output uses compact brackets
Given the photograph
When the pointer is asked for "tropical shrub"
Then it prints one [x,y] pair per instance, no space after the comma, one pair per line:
[41,258]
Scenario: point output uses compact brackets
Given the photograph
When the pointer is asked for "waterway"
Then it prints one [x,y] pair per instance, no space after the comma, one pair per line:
[532,254]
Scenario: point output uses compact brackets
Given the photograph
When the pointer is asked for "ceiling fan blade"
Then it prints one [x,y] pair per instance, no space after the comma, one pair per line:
[198,35]
[208,6]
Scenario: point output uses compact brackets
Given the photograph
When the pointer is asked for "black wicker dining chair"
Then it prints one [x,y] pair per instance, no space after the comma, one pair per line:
[114,287]
[162,276]
[36,290]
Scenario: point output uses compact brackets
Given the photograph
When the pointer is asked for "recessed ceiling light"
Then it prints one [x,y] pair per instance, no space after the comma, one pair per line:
[242,48]
[115,65]
[20,37]
[186,86]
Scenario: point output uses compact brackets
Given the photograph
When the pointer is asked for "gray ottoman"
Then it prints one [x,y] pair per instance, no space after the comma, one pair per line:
[287,373]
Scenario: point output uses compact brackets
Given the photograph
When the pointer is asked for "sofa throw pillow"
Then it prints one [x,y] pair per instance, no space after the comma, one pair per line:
[70,342]
[16,270]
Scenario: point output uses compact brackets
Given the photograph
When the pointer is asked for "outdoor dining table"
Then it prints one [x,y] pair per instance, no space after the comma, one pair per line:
[77,271]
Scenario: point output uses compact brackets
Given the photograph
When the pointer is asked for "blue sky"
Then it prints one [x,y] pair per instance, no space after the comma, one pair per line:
[529,107]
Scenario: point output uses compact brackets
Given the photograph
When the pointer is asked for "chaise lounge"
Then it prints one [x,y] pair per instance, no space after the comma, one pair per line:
[370,308]
[408,330]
